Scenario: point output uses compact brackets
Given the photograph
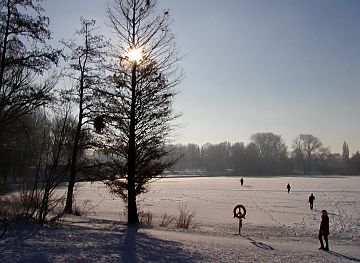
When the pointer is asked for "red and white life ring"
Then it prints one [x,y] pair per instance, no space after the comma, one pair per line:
[239,211]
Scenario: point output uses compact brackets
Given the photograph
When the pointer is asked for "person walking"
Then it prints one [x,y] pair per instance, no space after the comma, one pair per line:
[241,181]
[311,201]
[324,231]
[288,187]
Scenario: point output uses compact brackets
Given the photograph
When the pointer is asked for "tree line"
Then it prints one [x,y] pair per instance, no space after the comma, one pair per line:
[266,154]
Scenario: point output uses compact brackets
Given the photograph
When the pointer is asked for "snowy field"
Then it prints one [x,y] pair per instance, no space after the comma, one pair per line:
[279,227]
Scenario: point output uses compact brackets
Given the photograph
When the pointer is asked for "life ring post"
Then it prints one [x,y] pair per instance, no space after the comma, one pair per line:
[239,212]
[240,226]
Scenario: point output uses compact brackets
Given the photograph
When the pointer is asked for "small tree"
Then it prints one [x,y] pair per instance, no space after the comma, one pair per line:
[85,72]
[138,100]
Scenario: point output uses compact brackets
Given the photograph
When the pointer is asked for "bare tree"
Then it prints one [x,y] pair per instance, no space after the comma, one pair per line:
[24,55]
[139,117]
[216,157]
[307,146]
[56,161]
[86,73]
[272,150]
[51,165]
[41,159]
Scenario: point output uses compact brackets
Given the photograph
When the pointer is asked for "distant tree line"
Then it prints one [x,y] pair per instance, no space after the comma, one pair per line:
[266,154]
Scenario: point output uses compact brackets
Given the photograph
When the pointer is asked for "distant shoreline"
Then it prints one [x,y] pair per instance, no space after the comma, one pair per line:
[256,176]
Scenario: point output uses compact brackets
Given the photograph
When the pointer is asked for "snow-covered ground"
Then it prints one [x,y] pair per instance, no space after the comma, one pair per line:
[279,227]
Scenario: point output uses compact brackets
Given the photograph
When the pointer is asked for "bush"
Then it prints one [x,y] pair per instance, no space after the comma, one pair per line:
[145,217]
[85,208]
[166,220]
[185,218]
[11,207]
[30,200]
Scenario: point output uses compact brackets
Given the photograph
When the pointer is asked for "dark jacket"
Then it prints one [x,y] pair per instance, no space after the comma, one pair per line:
[324,225]
[311,199]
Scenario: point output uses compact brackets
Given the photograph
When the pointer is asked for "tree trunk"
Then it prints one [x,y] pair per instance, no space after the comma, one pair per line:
[72,178]
[4,45]
[70,193]
[132,207]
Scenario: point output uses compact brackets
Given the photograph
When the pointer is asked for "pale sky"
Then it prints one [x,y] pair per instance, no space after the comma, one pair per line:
[281,66]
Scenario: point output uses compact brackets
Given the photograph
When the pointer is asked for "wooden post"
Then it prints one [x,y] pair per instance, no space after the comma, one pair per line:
[240,226]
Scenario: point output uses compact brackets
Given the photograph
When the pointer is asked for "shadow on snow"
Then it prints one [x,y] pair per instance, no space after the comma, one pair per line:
[259,244]
[344,256]
[102,241]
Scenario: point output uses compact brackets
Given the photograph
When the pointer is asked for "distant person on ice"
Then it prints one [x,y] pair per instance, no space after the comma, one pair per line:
[241,181]
[311,201]
[288,187]
[324,231]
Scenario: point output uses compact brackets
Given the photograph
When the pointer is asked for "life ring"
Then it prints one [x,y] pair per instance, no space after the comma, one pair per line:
[239,211]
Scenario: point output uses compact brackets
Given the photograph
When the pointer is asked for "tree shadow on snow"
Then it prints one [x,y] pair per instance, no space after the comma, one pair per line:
[20,230]
[344,256]
[95,241]
[140,247]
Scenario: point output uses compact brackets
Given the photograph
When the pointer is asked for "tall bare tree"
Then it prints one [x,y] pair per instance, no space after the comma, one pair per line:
[24,55]
[307,146]
[86,73]
[138,113]
[272,150]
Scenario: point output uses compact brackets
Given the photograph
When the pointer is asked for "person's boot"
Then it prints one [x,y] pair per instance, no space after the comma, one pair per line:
[326,244]
[321,244]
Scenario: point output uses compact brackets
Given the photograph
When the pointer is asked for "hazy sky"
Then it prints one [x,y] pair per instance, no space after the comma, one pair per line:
[281,66]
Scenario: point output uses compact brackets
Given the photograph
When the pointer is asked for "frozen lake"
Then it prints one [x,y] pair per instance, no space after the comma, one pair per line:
[279,227]
[268,204]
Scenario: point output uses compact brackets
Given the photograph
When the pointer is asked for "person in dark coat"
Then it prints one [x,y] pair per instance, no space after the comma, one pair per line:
[241,181]
[311,201]
[324,230]
[288,187]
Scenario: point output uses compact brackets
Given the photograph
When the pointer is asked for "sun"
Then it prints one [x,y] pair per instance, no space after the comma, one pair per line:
[135,54]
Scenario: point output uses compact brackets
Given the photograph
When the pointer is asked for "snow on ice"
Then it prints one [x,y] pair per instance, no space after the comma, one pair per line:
[279,226]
